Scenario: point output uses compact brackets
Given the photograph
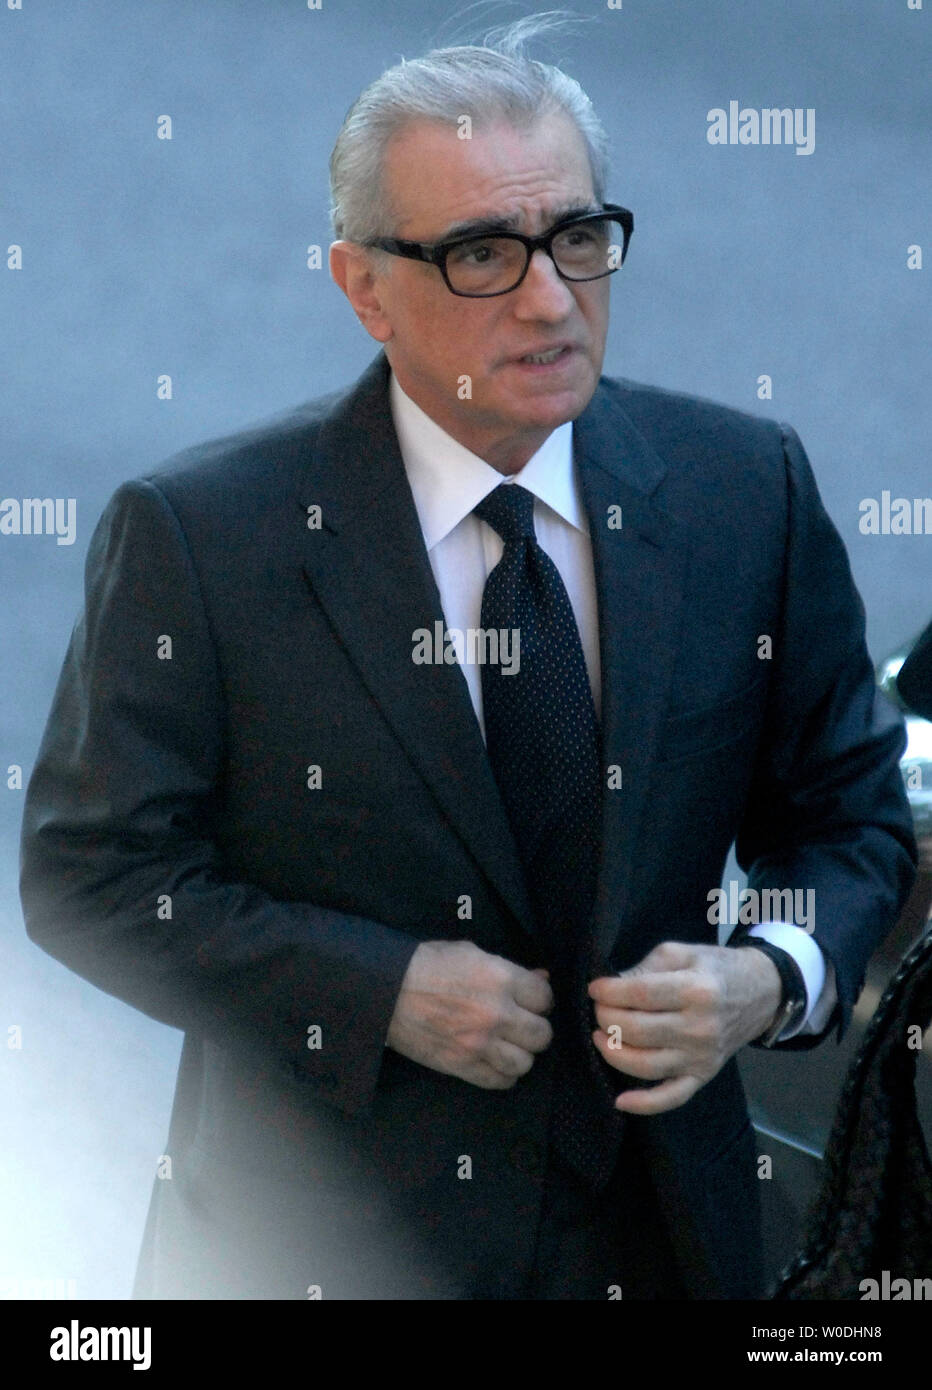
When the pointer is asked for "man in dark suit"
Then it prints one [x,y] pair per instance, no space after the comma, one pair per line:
[438,931]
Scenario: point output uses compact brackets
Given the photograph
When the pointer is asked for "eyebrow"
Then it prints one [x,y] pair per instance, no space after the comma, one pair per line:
[483,226]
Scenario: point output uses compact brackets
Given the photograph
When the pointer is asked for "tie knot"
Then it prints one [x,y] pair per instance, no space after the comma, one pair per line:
[509,510]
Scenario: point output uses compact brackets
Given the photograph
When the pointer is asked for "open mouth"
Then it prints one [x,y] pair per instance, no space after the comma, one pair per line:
[544,359]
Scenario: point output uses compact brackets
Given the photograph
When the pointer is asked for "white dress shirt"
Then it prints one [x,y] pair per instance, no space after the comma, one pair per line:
[447,481]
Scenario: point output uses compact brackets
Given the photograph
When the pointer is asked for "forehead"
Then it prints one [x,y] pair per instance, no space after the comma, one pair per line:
[435,180]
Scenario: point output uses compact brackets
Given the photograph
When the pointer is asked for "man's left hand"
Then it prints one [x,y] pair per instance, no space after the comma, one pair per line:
[678,1016]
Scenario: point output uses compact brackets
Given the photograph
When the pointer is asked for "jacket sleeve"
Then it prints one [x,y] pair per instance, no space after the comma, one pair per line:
[827,810]
[121,876]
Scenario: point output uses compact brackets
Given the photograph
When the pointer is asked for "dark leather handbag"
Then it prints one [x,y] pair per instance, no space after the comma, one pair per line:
[874,1211]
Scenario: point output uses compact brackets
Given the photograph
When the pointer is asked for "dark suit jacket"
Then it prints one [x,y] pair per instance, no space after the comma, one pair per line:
[175,855]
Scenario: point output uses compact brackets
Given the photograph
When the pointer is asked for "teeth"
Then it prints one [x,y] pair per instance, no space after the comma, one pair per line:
[543,356]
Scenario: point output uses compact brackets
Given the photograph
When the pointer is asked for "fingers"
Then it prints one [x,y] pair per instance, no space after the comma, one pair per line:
[664,960]
[638,989]
[522,1030]
[481,1074]
[471,1014]
[499,1067]
[664,1065]
[650,1064]
[526,1030]
[638,1029]
[670,955]
[674,976]
[507,1059]
[531,989]
[669,1095]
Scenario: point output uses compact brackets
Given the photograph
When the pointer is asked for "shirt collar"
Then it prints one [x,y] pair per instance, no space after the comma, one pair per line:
[447,480]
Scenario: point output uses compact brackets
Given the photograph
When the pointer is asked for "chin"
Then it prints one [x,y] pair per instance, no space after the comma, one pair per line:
[557,409]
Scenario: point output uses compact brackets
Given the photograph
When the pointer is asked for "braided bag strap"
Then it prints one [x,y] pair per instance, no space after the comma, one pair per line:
[874,1208]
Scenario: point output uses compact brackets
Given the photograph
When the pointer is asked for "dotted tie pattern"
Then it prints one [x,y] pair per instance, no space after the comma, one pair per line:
[543,741]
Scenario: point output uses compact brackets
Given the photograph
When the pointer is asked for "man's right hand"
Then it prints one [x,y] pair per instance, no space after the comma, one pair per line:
[470,1014]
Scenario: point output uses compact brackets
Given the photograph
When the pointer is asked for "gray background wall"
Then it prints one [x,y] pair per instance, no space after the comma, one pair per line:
[144,256]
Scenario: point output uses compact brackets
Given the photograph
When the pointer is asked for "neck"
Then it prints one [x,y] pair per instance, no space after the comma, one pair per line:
[507,455]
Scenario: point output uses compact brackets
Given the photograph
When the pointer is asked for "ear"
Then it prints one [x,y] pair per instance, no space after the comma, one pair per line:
[354,270]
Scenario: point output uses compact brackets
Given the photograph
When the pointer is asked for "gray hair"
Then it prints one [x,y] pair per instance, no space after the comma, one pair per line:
[491,83]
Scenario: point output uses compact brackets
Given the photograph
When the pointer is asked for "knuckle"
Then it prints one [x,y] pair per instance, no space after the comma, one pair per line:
[523,1064]
[505,1069]
[634,989]
[705,994]
[521,1061]
[480,1025]
[705,1030]
[501,973]
[495,1013]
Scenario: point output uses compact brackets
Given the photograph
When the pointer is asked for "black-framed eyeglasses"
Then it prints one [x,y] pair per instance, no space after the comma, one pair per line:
[485,265]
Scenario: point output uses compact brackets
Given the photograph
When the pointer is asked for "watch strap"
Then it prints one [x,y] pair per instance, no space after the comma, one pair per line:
[794,997]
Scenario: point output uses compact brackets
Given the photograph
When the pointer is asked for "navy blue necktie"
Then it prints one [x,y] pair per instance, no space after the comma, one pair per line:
[543,742]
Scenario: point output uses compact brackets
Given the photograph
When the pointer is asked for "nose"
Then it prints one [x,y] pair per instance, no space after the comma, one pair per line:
[543,293]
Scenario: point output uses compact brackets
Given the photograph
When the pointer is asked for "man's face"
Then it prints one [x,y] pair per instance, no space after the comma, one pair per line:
[433,338]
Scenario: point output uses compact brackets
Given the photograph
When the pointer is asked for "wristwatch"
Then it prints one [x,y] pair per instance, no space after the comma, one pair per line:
[795,998]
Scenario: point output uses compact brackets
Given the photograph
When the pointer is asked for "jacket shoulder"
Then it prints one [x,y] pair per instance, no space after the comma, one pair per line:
[710,447]
[656,407]
[264,457]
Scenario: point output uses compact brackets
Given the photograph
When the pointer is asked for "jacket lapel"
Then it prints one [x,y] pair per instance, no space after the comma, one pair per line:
[639,580]
[368,568]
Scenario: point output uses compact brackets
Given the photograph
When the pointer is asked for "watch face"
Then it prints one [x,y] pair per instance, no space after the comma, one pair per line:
[791,1012]
[777,1027]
